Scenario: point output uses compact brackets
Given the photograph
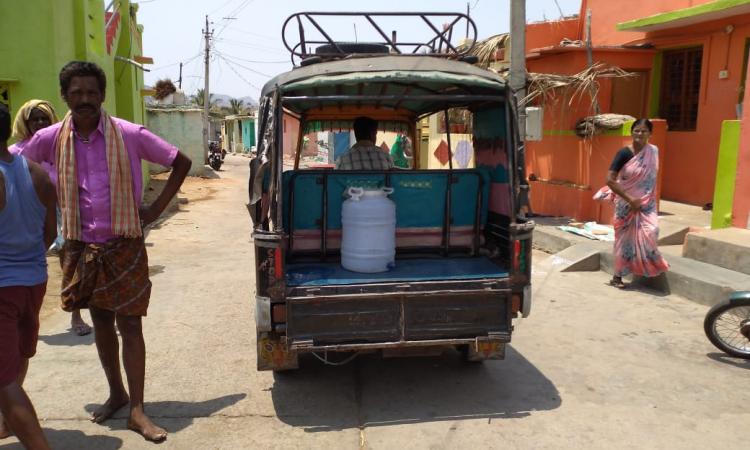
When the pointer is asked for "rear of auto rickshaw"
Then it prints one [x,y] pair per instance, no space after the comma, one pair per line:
[462,254]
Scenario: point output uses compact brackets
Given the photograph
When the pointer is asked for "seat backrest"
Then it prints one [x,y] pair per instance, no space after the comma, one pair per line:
[421,198]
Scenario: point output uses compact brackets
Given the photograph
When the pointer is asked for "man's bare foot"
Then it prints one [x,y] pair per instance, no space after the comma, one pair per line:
[4,429]
[109,408]
[140,423]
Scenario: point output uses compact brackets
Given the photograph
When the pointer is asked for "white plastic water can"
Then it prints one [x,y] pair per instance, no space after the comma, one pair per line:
[368,220]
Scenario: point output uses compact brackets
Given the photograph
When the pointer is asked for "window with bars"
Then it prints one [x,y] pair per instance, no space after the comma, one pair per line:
[680,88]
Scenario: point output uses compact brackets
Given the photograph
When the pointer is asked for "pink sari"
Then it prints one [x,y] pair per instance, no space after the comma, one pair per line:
[636,234]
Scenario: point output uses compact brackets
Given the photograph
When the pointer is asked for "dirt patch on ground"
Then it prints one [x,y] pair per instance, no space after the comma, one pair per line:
[194,189]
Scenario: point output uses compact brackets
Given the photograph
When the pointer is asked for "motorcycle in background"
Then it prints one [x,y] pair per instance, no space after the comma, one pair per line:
[727,325]
[215,158]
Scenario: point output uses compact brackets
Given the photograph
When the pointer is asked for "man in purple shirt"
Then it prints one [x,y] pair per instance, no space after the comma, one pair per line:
[98,163]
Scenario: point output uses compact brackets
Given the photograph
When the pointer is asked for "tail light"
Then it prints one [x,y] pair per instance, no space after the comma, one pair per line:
[278,271]
[516,255]
[515,303]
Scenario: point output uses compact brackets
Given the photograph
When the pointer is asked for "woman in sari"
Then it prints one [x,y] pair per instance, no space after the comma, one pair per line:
[33,116]
[631,184]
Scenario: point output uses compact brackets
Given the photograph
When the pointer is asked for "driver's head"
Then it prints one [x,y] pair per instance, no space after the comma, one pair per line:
[365,128]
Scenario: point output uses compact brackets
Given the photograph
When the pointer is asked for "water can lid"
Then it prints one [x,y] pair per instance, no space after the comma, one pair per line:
[355,193]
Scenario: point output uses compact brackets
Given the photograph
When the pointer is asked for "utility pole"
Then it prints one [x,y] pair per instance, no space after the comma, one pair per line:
[518,86]
[207,35]
[179,82]
[518,59]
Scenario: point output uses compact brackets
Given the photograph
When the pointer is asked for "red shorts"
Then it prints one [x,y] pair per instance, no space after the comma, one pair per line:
[19,327]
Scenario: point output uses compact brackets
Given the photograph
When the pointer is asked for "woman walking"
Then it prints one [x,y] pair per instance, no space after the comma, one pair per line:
[631,184]
[33,116]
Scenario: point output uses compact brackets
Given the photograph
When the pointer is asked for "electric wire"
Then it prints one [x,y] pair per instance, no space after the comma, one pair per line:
[230,64]
[242,66]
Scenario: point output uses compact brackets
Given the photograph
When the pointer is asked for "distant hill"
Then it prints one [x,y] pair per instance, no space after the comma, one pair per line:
[223,100]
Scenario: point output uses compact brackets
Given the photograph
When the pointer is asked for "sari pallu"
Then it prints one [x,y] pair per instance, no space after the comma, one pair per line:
[636,248]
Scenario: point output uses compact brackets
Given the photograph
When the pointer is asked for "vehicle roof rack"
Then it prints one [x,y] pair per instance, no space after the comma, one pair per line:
[439,43]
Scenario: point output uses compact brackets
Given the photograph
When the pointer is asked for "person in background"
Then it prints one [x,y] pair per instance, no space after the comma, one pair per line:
[33,116]
[98,162]
[364,154]
[401,152]
[27,228]
[631,184]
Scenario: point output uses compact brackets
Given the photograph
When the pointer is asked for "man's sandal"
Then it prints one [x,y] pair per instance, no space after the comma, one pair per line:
[82,329]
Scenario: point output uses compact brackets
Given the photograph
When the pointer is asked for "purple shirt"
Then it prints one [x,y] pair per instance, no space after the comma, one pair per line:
[18,147]
[93,173]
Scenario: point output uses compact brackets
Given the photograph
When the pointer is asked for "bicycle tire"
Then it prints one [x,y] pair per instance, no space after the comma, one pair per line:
[710,327]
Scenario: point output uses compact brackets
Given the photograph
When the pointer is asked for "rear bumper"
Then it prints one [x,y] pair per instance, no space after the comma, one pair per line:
[409,319]
[477,342]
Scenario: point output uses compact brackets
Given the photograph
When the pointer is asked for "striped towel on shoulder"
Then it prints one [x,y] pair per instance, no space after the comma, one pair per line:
[125,218]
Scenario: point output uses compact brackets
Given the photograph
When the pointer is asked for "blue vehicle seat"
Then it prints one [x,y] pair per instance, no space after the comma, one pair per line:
[421,198]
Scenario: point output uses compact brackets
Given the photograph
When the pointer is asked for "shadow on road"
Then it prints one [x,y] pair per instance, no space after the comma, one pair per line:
[372,391]
[729,360]
[180,414]
[73,440]
[67,338]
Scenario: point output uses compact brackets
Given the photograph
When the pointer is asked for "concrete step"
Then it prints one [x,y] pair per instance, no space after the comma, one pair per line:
[549,239]
[671,250]
[694,280]
[728,248]
[582,257]
[672,233]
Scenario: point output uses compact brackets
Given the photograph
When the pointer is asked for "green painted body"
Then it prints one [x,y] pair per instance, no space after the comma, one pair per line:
[726,172]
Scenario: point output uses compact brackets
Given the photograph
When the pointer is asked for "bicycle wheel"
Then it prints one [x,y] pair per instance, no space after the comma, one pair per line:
[727,326]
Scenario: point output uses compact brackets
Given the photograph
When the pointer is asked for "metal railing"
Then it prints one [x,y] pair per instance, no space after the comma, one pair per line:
[440,43]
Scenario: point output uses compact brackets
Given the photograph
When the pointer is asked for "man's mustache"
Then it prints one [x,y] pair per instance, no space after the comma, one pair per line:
[86,108]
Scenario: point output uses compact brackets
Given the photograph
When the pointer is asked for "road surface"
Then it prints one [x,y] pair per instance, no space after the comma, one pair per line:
[592,367]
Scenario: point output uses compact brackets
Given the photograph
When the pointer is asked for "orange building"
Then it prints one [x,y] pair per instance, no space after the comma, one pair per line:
[690,62]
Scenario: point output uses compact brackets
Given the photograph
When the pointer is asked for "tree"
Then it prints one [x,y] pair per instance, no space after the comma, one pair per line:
[236,105]
[199,96]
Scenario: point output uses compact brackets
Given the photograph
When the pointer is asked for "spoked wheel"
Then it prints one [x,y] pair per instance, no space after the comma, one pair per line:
[727,326]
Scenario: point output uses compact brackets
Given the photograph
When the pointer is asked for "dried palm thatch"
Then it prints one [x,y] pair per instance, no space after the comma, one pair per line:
[588,126]
[164,88]
[486,49]
[546,86]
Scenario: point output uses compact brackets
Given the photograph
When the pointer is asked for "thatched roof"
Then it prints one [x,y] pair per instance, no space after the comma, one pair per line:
[546,86]
[486,49]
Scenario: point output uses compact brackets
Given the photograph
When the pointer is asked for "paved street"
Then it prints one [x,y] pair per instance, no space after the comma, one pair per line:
[592,367]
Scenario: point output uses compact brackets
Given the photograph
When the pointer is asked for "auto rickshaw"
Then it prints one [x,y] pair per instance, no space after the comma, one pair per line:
[462,269]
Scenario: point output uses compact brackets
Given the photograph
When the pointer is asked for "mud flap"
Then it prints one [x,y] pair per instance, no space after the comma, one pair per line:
[273,354]
[485,349]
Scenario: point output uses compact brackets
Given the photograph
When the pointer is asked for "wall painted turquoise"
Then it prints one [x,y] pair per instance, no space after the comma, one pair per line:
[248,134]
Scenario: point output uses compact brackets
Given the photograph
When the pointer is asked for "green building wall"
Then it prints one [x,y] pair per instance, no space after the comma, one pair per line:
[38,37]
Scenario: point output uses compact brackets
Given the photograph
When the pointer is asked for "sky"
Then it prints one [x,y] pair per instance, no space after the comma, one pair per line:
[247,49]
